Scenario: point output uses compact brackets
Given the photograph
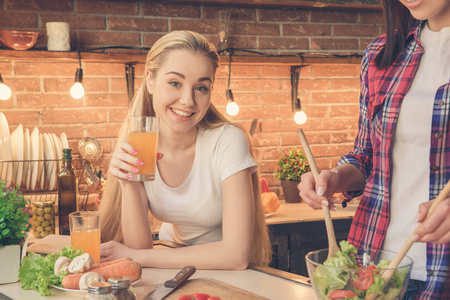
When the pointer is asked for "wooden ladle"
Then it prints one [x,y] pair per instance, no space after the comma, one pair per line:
[332,244]
[387,275]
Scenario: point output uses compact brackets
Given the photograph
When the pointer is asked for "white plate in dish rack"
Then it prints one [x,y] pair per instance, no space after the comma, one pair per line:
[64,142]
[6,170]
[26,175]
[34,157]
[49,155]
[17,154]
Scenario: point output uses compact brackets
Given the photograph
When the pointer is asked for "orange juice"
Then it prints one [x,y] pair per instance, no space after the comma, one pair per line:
[88,240]
[146,144]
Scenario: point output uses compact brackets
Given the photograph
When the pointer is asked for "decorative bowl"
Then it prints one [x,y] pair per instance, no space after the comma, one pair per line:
[333,279]
[19,40]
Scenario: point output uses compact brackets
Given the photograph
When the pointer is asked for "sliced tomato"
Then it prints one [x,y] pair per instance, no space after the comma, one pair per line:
[364,279]
[186,297]
[341,294]
[200,296]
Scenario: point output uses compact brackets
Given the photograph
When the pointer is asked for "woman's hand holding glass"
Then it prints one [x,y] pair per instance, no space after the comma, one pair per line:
[124,162]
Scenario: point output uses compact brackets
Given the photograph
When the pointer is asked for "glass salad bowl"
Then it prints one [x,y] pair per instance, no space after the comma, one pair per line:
[355,274]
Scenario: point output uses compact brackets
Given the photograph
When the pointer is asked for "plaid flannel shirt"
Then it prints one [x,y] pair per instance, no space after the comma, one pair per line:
[382,92]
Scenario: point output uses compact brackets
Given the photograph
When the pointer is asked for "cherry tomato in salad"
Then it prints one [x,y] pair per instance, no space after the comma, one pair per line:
[364,280]
[341,294]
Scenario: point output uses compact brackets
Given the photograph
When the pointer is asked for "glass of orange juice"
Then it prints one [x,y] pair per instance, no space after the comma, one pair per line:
[85,232]
[143,136]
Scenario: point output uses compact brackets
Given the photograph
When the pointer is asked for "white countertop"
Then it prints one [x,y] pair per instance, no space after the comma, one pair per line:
[274,284]
[271,287]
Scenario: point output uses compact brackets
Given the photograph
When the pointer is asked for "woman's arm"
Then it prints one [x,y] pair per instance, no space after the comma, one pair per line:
[136,229]
[232,252]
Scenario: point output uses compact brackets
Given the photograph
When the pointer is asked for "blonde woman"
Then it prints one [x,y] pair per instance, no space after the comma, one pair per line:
[206,188]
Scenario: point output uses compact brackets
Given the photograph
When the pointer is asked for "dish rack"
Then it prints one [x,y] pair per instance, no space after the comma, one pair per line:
[38,179]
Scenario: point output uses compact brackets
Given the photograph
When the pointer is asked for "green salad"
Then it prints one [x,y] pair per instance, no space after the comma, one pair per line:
[37,271]
[338,283]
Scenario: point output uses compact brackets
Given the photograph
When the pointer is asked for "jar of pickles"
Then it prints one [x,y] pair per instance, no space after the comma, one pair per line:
[43,218]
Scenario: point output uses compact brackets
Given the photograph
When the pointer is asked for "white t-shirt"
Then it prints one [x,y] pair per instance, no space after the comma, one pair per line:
[411,151]
[192,212]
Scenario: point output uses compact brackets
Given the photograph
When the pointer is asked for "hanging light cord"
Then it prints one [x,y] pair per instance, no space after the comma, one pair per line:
[230,53]
[79,56]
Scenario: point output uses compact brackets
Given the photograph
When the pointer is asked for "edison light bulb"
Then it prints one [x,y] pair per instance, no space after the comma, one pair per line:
[300,117]
[77,90]
[5,92]
[232,108]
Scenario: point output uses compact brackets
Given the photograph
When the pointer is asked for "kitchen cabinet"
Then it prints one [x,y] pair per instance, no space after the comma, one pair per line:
[297,229]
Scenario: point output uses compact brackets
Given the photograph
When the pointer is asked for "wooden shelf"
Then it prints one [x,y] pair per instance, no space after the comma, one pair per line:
[349,5]
[50,56]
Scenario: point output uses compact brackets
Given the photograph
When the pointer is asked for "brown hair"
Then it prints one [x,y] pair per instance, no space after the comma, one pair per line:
[398,23]
[141,105]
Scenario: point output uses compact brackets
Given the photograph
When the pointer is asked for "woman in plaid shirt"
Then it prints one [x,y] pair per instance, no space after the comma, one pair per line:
[401,156]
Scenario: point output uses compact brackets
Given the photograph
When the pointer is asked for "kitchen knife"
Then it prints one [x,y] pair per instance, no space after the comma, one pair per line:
[167,287]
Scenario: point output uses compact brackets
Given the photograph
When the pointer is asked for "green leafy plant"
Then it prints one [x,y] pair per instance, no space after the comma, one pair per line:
[13,218]
[292,165]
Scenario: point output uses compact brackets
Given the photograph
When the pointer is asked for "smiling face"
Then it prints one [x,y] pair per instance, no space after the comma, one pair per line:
[181,90]
[437,12]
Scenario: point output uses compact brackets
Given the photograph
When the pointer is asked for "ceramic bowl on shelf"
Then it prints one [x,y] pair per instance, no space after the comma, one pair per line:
[19,40]
[332,281]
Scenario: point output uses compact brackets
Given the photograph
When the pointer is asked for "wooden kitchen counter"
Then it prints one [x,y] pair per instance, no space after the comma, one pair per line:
[301,212]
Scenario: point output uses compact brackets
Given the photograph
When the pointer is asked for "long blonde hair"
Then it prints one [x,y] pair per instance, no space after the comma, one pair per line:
[142,105]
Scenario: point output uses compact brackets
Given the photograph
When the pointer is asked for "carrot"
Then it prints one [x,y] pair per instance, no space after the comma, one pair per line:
[127,268]
[107,263]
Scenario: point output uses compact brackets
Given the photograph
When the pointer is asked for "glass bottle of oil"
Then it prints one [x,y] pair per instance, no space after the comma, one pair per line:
[67,192]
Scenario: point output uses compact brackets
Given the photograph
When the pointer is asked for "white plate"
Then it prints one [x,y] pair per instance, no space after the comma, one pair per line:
[5,151]
[17,154]
[270,214]
[34,156]
[26,175]
[49,156]
[41,169]
[58,150]
[85,291]
[64,142]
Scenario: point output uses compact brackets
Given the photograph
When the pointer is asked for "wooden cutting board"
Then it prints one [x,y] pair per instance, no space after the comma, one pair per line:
[52,243]
[211,287]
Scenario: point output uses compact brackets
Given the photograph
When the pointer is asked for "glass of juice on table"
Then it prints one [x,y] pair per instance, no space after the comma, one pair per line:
[85,232]
[143,136]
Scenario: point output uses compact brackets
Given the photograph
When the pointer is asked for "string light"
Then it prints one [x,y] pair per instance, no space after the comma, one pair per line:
[77,89]
[232,107]
[299,116]
[5,91]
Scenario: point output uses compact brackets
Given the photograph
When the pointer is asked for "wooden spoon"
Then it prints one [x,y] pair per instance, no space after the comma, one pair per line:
[387,275]
[332,244]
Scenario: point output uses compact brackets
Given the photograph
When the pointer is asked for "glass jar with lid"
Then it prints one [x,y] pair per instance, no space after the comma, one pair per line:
[43,220]
[100,291]
[121,286]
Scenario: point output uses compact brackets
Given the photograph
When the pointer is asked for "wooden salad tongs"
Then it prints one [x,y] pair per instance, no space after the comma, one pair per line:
[387,275]
[332,244]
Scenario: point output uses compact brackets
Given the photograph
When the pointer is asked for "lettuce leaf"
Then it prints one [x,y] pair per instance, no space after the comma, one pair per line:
[37,271]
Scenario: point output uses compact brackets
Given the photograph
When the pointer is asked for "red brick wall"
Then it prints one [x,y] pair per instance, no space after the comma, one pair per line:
[329,93]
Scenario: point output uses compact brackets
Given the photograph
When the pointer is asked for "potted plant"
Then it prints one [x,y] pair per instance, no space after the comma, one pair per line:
[14,228]
[291,166]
